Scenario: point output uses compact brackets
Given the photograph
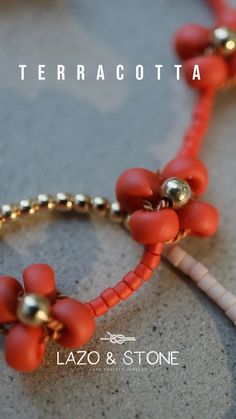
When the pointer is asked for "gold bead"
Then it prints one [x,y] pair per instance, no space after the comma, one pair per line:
[82,203]
[100,205]
[27,206]
[64,201]
[9,212]
[116,214]
[177,191]
[33,309]
[45,201]
[224,40]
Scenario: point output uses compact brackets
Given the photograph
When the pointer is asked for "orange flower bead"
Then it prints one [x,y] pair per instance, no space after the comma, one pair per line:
[10,289]
[190,169]
[78,322]
[135,186]
[191,40]
[150,227]
[213,72]
[199,218]
[24,347]
[40,279]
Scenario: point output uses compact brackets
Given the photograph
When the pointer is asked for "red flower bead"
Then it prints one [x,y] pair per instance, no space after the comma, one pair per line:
[10,289]
[40,279]
[78,322]
[135,186]
[190,169]
[191,40]
[24,347]
[213,69]
[199,218]
[150,227]
[24,344]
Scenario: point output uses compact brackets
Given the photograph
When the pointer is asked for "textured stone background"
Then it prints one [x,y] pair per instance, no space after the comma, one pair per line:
[79,137]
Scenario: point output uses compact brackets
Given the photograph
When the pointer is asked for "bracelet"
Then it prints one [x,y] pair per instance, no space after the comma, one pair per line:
[31,316]
[158,208]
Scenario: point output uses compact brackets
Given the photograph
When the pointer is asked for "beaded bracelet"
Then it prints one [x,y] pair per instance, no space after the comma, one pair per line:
[158,208]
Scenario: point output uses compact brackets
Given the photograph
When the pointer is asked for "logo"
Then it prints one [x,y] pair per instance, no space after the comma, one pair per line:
[118,339]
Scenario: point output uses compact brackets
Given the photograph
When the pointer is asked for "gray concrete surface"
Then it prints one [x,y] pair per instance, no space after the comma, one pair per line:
[79,136]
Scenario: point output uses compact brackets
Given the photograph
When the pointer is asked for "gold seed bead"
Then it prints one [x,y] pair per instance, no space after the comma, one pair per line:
[116,214]
[100,205]
[82,203]
[45,201]
[64,201]
[33,309]
[27,206]
[9,212]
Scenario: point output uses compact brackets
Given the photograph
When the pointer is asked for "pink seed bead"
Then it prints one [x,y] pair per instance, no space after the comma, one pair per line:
[174,255]
[226,301]
[198,271]
[206,282]
[231,313]
[215,292]
[187,264]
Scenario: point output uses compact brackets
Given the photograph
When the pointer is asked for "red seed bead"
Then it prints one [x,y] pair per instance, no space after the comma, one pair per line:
[190,169]
[143,271]
[110,297]
[24,347]
[40,279]
[99,307]
[10,289]
[133,280]
[227,18]
[155,249]
[135,186]
[78,322]
[191,39]
[150,227]
[150,260]
[123,290]
[200,218]
[213,72]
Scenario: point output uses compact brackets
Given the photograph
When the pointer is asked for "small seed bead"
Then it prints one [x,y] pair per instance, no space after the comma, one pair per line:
[100,205]
[128,284]
[64,201]
[203,279]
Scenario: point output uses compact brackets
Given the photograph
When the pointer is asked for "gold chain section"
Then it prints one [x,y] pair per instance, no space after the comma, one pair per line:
[80,203]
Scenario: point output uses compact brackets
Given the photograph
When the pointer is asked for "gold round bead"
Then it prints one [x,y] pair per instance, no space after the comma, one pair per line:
[177,191]
[116,214]
[224,40]
[82,203]
[64,201]
[27,206]
[9,212]
[45,201]
[33,309]
[100,205]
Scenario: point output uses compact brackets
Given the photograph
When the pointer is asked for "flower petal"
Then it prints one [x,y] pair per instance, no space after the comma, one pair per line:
[10,289]
[24,347]
[40,279]
[200,218]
